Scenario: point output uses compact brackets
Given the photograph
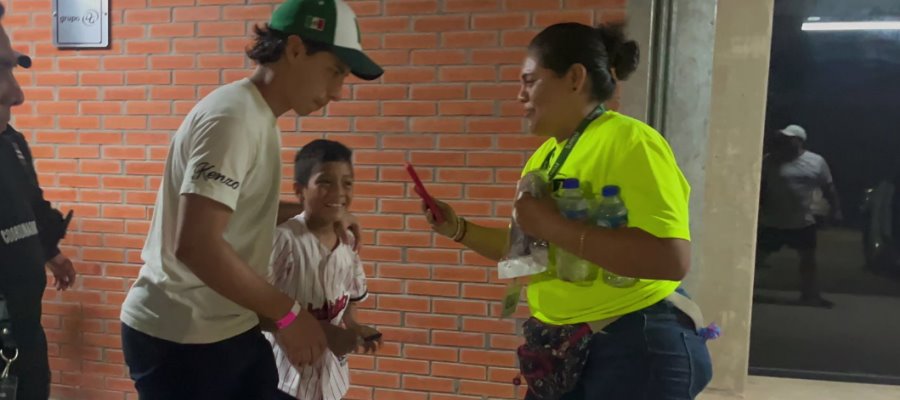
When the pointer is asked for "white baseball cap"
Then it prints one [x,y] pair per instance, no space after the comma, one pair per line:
[796,131]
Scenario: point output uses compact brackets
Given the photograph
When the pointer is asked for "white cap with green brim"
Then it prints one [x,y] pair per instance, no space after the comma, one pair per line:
[330,22]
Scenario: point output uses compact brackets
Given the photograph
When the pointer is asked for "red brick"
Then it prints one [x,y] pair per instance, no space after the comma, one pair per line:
[197,13]
[221,29]
[410,7]
[438,92]
[547,18]
[512,39]
[405,335]
[471,5]
[409,75]
[473,39]
[249,13]
[380,92]
[457,339]
[384,24]
[102,78]
[506,20]
[404,366]
[440,289]
[532,4]
[375,124]
[410,40]
[403,303]
[146,46]
[437,396]
[494,125]
[491,358]
[427,384]
[467,74]
[458,371]
[502,390]
[124,93]
[150,16]
[78,93]
[595,3]
[440,23]
[382,394]
[171,62]
[182,29]
[438,57]
[431,321]
[78,63]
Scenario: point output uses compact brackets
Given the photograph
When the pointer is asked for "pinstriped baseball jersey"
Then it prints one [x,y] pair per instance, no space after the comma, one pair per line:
[325,282]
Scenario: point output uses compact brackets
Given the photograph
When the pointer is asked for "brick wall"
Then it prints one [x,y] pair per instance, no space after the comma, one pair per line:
[100,121]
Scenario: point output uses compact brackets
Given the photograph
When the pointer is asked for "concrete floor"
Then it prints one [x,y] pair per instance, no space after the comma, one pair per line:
[859,336]
[762,388]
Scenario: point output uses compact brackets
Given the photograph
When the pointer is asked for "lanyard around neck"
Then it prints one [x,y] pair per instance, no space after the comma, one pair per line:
[570,144]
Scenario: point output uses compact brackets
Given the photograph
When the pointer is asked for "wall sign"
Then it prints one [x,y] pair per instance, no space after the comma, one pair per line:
[81,23]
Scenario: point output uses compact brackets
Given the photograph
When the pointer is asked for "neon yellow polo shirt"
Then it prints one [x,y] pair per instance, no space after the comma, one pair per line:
[615,150]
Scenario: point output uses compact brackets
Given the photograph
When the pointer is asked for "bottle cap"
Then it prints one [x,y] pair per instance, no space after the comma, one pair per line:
[610,191]
[570,183]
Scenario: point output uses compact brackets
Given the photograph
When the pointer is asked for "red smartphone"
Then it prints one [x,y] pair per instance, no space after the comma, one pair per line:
[420,190]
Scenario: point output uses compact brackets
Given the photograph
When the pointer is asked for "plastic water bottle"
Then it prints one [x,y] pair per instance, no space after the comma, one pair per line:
[574,206]
[612,214]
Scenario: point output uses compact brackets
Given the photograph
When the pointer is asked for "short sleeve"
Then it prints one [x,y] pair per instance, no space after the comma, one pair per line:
[357,287]
[825,174]
[281,261]
[221,152]
[653,187]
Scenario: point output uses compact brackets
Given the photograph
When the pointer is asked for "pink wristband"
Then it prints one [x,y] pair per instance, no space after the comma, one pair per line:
[288,318]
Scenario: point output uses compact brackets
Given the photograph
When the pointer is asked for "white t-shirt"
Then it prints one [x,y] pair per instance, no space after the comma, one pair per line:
[325,282]
[789,191]
[227,149]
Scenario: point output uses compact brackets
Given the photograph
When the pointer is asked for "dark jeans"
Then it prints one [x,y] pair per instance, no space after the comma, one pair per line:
[239,368]
[652,354]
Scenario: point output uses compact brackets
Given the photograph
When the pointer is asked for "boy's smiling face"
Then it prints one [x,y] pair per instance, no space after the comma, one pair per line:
[329,192]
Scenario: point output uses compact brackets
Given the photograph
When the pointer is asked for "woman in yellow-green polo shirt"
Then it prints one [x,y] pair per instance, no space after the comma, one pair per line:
[648,348]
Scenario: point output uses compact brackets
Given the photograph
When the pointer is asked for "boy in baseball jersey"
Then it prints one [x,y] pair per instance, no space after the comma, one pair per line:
[311,264]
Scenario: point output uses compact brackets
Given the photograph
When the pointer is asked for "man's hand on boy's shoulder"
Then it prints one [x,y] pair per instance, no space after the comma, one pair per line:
[350,223]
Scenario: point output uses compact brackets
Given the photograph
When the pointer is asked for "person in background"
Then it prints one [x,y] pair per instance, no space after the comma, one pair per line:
[649,348]
[192,320]
[791,175]
[313,265]
[30,231]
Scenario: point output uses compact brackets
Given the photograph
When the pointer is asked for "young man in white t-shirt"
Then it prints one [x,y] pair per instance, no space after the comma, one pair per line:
[791,176]
[191,322]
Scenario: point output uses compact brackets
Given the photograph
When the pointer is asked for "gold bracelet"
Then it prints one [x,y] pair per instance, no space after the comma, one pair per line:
[458,227]
[584,233]
[464,227]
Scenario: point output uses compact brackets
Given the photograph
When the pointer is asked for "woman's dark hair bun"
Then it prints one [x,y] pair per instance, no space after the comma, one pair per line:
[600,50]
[624,54]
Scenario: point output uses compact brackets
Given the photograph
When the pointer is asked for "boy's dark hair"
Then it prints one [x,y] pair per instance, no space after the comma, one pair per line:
[600,50]
[2,10]
[268,45]
[316,153]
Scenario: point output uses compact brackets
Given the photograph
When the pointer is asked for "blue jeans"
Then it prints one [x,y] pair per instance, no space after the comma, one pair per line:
[651,354]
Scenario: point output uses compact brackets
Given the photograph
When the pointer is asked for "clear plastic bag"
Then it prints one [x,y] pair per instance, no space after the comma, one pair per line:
[526,255]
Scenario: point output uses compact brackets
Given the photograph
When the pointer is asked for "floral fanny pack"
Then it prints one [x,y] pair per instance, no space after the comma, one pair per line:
[553,358]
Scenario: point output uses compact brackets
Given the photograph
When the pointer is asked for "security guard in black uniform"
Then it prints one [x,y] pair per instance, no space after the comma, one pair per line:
[30,230]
